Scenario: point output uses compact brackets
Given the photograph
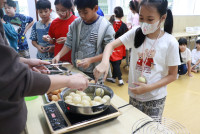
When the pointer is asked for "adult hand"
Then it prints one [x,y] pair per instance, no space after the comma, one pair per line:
[140,88]
[37,65]
[84,63]
[77,81]
[101,69]
[61,40]
[56,59]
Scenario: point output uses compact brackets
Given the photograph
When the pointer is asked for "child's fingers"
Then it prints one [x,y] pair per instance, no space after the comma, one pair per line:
[136,83]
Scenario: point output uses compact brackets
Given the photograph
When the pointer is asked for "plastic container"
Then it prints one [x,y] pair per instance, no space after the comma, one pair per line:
[31,98]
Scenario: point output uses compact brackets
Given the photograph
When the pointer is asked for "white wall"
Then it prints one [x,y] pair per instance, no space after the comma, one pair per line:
[186,7]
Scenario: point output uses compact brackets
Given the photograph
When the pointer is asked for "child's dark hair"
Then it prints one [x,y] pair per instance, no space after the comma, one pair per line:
[162,8]
[198,42]
[1,13]
[82,4]
[182,41]
[134,5]
[43,4]
[118,13]
[180,56]
[66,3]
[11,3]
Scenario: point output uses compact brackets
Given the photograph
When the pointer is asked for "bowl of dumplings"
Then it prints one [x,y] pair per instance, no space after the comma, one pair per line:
[84,102]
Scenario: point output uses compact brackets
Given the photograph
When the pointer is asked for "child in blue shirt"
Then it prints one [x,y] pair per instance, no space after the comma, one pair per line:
[10,32]
[41,28]
[21,23]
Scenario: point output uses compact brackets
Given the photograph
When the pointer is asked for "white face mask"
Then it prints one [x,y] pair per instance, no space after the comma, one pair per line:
[149,28]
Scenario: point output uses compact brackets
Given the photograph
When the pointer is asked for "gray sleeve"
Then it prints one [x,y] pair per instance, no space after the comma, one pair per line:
[68,42]
[109,36]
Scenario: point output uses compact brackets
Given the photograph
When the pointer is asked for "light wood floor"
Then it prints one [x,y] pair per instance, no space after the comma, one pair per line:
[182,103]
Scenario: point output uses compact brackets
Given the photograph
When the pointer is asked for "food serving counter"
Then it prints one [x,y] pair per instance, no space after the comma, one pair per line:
[37,124]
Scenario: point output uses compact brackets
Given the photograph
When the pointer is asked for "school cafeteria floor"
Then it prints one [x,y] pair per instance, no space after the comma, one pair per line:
[183,99]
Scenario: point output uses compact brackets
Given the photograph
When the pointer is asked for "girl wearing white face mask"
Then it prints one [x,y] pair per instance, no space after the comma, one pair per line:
[154,57]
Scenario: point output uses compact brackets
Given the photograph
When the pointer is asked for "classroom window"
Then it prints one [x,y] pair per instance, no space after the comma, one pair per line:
[108,6]
[22,7]
[170,4]
[104,6]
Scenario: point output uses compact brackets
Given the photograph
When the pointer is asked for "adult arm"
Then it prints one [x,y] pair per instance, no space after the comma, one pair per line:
[18,80]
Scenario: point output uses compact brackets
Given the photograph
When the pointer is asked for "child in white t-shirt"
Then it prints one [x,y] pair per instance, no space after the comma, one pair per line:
[185,57]
[196,58]
[154,57]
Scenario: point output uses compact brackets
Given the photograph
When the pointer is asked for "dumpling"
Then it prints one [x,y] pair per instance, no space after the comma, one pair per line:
[103,101]
[68,101]
[98,103]
[77,95]
[76,100]
[83,94]
[93,103]
[106,97]
[85,103]
[79,104]
[78,92]
[97,98]
[99,92]
[54,98]
[72,94]
[72,104]
[68,97]
[86,98]
[55,92]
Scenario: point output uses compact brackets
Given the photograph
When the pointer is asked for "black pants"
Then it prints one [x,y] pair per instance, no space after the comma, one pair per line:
[182,69]
[116,69]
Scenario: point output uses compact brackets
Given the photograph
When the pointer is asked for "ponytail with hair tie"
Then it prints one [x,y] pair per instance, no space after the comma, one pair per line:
[168,26]
[112,19]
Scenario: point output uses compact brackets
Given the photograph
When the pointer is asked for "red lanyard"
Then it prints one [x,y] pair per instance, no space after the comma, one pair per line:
[143,53]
